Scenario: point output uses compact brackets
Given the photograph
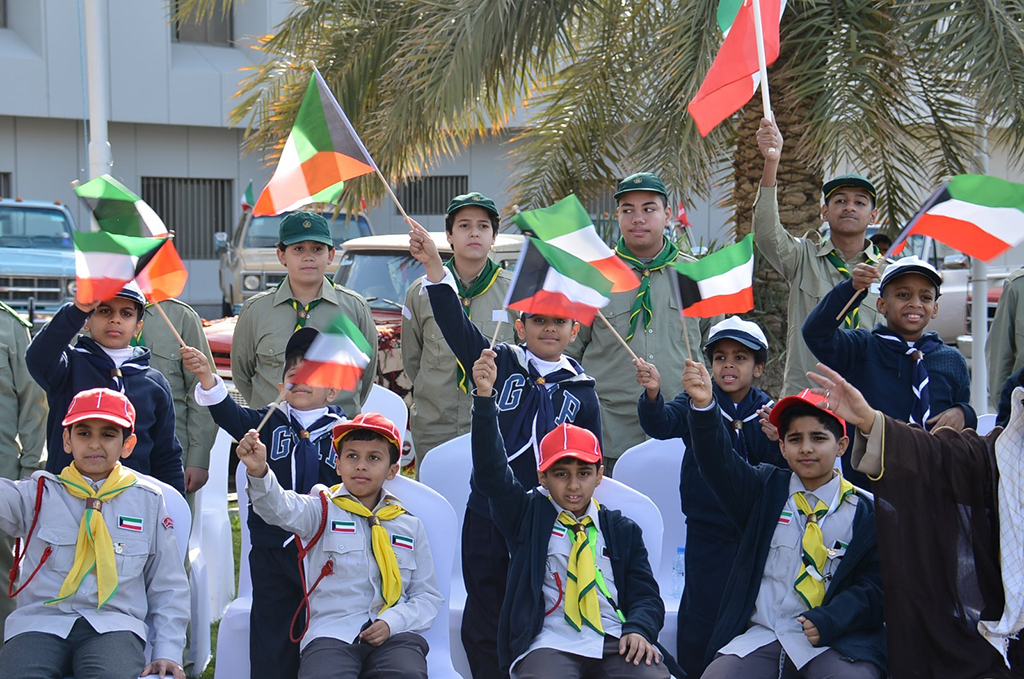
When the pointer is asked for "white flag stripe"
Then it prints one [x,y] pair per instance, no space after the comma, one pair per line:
[584,244]
[1004,223]
[152,221]
[104,265]
[286,165]
[729,282]
[556,282]
[330,348]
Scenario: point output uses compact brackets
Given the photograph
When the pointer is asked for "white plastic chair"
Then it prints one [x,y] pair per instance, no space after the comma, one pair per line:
[389,404]
[614,494]
[212,528]
[652,467]
[986,423]
[233,634]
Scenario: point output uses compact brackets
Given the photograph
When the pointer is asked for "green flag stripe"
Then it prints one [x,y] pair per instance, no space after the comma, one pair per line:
[310,132]
[343,325]
[988,191]
[573,267]
[727,11]
[564,217]
[107,188]
[719,262]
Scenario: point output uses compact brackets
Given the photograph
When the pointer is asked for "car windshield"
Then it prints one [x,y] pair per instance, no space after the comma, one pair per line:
[22,227]
[381,277]
[263,231]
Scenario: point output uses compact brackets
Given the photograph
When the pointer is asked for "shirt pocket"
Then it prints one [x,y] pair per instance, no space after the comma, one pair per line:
[131,554]
[270,357]
[61,541]
[783,556]
[7,358]
[814,285]
[406,559]
[436,353]
[347,551]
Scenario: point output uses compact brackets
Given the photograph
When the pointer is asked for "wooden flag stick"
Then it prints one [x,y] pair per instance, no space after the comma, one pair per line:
[273,407]
[617,336]
[856,294]
[497,328]
[686,339]
[391,193]
[160,310]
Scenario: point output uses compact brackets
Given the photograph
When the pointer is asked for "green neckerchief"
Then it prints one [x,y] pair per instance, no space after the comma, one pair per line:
[302,311]
[852,319]
[482,284]
[642,303]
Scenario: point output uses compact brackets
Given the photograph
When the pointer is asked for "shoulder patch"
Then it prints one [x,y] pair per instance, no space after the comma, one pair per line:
[21,319]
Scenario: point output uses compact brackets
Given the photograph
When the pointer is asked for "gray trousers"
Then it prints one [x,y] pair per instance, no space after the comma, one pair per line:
[402,656]
[85,654]
[545,663]
[769,662]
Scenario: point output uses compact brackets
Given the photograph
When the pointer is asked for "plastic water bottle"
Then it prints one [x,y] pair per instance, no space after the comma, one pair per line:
[679,573]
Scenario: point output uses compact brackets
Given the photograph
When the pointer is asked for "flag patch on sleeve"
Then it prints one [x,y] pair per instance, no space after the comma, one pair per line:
[129,523]
[168,523]
[785,518]
[559,531]
[403,541]
[343,526]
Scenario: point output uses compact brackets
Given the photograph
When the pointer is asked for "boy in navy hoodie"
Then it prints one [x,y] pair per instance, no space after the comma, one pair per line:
[105,358]
[301,453]
[581,600]
[538,388]
[737,351]
[805,593]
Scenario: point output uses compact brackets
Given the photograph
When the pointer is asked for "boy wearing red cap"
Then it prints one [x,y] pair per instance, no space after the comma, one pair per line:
[805,593]
[377,590]
[581,599]
[104,574]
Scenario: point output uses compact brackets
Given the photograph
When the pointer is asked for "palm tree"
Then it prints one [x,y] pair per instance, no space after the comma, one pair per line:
[893,88]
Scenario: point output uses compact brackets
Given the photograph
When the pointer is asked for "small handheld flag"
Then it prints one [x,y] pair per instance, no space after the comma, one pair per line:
[721,283]
[336,358]
[116,209]
[247,198]
[163,275]
[106,262]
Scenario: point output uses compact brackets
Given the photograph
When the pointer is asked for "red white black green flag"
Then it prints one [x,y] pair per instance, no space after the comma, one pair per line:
[721,283]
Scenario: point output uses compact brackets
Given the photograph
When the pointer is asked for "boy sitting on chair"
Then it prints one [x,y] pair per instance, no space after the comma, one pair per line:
[87,606]
[376,590]
[581,598]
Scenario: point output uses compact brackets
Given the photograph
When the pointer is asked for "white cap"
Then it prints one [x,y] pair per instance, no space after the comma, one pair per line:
[911,264]
[747,333]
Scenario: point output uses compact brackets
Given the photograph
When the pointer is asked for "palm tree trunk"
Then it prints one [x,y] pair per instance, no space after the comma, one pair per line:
[799,182]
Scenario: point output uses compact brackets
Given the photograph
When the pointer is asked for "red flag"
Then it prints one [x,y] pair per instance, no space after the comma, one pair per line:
[681,216]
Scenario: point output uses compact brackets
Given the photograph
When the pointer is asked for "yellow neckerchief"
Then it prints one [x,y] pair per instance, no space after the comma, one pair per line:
[95,548]
[582,606]
[810,578]
[390,577]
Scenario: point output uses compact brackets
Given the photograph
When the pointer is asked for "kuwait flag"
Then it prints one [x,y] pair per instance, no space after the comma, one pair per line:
[552,282]
[721,283]
[247,198]
[978,215]
[734,76]
[163,274]
[115,209]
[567,226]
[106,262]
[336,358]
[321,152]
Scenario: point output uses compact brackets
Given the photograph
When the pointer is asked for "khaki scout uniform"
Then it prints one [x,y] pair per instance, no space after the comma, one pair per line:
[804,263]
[1005,349]
[193,424]
[441,411]
[663,344]
[267,321]
[23,408]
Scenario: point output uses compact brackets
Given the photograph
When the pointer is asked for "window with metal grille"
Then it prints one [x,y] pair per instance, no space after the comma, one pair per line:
[431,195]
[213,29]
[194,209]
[5,179]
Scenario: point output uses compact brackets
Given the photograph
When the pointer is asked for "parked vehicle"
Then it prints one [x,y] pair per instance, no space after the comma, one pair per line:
[37,257]
[248,259]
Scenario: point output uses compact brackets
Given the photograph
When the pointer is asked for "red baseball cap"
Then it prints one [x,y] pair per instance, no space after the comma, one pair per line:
[568,440]
[101,404]
[371,421]
[807,397]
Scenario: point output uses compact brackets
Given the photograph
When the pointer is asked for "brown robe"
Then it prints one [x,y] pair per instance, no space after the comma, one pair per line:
[938,544]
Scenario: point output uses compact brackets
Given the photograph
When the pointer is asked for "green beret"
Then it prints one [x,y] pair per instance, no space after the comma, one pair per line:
[641,181]
[474,198]
[842,180]
[297,227]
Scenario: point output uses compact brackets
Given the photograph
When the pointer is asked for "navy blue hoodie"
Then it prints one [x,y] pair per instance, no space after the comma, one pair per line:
[63,370]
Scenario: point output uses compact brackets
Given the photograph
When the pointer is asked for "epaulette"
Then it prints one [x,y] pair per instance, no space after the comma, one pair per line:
[21,319]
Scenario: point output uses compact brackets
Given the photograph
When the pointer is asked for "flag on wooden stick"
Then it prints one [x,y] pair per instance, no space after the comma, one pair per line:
[551,282]
[321,153]
[978,215]
[336,358]
[106,262]
[721,283]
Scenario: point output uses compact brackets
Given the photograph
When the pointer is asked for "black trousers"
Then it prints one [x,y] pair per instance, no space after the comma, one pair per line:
[485,562]
[709,560]
[277,593]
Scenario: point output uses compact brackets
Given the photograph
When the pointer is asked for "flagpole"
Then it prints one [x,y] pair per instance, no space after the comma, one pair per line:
[391,193]
[686,338]
[160,310]
[762,65]
[497,328]
[273,407]
[617,336]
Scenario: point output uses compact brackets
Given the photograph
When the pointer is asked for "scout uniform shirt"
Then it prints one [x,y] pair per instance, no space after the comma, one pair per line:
[1005,349]
[267,321]
[663,343]
[811,275]
[778,604]
[22,401]
[344,601]
[152,598]
[193,424]
[441,410]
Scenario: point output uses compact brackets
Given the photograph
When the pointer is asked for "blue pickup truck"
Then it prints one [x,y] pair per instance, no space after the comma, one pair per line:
[37,257]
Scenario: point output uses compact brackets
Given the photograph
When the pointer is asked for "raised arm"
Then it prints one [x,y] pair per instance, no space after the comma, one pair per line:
[775,243]
[49,353]
[296,513]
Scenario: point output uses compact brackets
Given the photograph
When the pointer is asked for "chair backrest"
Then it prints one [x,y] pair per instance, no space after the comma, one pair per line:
[217,485]
[440,522]
[181,515]
[447,469]
[389,404]
[653,467]
[637,506]
[244,576]
[986,423]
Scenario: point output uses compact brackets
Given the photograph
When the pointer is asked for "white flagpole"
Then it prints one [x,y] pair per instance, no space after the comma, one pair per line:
[766,99]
